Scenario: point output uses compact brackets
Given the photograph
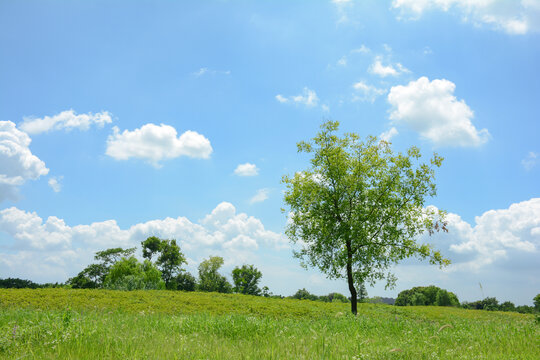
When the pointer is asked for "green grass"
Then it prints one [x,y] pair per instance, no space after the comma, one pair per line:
[97,324]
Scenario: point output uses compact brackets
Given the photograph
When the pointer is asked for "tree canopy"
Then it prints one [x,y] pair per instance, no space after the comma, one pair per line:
[169,260]
[245,280]
[209,277]
[359,208]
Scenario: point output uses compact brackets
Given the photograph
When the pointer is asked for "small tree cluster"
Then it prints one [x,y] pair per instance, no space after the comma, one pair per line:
[426,295]
[492,304]
[303,294]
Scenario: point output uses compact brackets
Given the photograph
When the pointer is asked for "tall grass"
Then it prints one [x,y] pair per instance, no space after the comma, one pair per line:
[41,326]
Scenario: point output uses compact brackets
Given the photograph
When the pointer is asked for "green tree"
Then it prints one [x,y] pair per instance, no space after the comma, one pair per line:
[183,281]
[303,294]
[151,246]
[93,276]
[507,306]
[362,292]
[337,297]
[169,257]
[209,277]
[246,279]
[359,208]
[536,301]
[131,274]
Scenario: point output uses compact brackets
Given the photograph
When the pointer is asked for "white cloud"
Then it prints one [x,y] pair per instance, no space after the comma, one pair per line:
[17,163]
[260,196]
[388,135]
[378,68]
[512,17]
[365,92]
[223,230]
[531,160]
[498,235]
[325,108]
[67,120]
[342,61]
[155,143]
[430,108]
[54,183]
[246,169]
[308,98]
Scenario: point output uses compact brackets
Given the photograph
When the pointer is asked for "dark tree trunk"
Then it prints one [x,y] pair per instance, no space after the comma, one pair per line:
[350,280]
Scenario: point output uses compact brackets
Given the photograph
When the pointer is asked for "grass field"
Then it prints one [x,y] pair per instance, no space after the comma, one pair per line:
[99,324]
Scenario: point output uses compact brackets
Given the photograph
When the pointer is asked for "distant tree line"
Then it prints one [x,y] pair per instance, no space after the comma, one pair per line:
[434,296]
[119,269]
[16,283]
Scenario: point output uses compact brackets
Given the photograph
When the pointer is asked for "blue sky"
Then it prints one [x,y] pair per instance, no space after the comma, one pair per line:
[121,120]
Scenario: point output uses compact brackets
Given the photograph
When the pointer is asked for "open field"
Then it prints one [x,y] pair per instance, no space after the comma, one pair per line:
[98,324]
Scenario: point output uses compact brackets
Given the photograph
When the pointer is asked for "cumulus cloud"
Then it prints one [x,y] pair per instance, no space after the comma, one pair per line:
[365,92]
[531,160]
[246,169]
[222,230]
[497,235]
[155,143]
[54,183]
[260,196]
[17,163]
[512,17]
[308,98]
[430,108]
[67,120]
[378,68]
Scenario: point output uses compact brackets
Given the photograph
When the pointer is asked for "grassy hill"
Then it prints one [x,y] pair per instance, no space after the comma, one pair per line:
[99,324]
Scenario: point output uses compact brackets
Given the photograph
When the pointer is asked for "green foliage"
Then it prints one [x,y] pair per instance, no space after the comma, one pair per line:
[183,281]
[446,298]
[16,283]
[131,274]
[303,294]
[245,280]
[337,297]
[507,306]
[110,256]
[359,208]
[209,277]
[93,276]
[362,292]
[536,302]
[426,295]
[151,246]
[169,259]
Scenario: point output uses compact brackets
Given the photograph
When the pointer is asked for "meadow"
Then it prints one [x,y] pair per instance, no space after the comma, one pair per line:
[100,324]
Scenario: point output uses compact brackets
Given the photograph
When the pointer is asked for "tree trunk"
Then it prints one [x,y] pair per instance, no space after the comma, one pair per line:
[352,289]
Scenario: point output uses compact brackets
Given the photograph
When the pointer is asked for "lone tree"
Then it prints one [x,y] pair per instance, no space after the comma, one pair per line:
[246,279]
[359,208]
